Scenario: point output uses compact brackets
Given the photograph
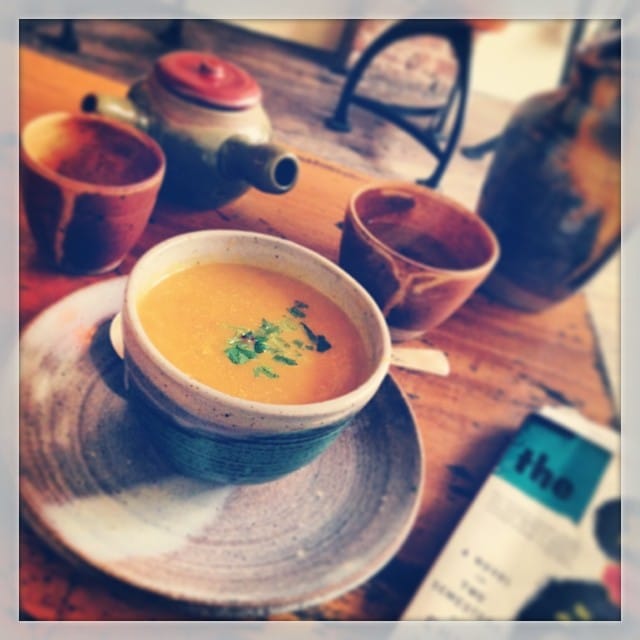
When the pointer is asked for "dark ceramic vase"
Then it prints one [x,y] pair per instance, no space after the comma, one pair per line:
[552,194]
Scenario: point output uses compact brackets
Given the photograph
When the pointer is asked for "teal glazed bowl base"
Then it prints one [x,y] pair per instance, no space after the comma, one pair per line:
[246,459]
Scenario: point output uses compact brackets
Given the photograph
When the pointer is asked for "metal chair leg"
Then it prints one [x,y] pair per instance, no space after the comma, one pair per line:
[339,121]
[459,36]
[67,40]
[461,90]
[172,35]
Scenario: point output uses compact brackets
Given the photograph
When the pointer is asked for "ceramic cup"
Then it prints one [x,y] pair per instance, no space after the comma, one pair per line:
[218,437]
[89,186]
[420,255]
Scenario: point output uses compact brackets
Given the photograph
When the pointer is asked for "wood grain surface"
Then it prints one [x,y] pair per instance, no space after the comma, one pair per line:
[504,364]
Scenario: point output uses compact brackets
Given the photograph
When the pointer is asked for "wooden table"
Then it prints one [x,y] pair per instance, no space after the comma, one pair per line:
[504,364]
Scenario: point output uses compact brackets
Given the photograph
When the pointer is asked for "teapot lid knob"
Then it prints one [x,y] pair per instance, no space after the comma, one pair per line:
[206,69]
[207,79]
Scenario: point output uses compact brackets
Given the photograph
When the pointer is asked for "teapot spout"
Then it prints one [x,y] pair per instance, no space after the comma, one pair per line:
[267,167]
[115,107]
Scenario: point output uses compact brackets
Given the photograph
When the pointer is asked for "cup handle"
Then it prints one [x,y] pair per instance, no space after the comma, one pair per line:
[115,335]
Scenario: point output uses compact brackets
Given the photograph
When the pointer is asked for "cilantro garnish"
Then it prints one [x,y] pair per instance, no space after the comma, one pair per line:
[319,341]
[280,358]
[297,309]
[267,328]
[239,354]
[322,345]
[264,371]
[248,345]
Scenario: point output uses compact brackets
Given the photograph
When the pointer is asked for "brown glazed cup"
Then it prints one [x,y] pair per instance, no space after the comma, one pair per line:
[419,254]
[89,186]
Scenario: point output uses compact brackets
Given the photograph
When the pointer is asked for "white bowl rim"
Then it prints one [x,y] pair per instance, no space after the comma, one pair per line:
[339,403]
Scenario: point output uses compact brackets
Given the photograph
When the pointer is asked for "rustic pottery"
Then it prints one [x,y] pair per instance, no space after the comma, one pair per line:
[89,185]
[420,254]
[207,115]
[552,194]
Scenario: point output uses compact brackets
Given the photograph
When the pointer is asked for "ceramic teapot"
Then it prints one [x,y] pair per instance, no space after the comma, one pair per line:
[207,115]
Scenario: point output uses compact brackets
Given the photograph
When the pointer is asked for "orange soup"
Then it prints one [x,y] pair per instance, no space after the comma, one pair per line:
[254,333]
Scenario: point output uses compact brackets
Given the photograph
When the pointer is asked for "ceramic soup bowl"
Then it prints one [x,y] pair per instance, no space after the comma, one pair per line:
[212,435]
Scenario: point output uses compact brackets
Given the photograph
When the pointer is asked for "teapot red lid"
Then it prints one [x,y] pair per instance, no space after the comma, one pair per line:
[204,77]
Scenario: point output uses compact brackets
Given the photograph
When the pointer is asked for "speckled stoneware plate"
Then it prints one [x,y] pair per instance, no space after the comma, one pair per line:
[94,488]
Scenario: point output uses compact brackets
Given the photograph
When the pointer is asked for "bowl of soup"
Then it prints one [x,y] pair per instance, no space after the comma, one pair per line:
[245,354]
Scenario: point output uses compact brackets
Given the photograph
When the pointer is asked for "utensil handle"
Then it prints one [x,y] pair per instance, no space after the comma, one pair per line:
[421,359]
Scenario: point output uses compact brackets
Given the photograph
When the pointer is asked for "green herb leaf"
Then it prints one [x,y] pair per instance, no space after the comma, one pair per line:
[237,337]
[319,341]
[281,358]
[239,354]
[236,356]
[322,345]
[297,309]
[312,336]
[265,371]
[288,323]
[267,328]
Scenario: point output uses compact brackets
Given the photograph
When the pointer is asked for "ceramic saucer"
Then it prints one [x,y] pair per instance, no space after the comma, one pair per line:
[95,489]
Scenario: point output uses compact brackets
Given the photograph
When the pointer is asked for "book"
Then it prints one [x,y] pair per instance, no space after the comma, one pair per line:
[541,539]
